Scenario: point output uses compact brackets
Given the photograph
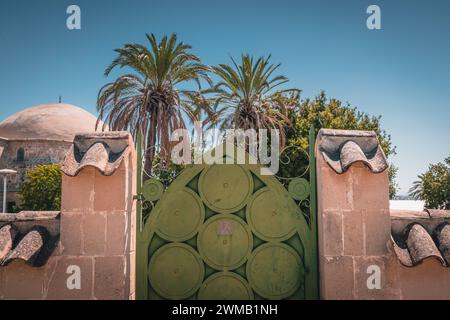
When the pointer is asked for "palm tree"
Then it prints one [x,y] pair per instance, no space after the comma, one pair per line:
[416,191]
[246,93]
[148,97]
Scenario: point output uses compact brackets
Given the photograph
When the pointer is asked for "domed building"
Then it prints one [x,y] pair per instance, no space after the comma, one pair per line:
[37,136]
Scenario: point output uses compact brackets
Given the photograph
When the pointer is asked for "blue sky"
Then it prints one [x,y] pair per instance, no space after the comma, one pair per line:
[400,72]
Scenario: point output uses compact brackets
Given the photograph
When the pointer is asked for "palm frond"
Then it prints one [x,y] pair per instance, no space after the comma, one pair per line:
[148,96]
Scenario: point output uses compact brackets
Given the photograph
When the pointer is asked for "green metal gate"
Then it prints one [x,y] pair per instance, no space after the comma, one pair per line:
[223,232]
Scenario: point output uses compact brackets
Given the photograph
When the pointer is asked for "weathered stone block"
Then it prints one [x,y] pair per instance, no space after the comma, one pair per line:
[58,288]
[334,190]
[110,191]
[94,233]
[370,190]
[71,234]
[78,192]
[330,237]
[22,281]
[116,233]
[366,269]
[353,233]
[377,227]
[336,275]
[109,278]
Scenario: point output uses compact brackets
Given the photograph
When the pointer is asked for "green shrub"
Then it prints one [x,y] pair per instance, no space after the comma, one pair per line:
[433,186]
[41,190]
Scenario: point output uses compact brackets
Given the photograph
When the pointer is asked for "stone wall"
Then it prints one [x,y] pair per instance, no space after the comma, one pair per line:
[354,227]
[97,234]
[36,152]
[96,229]
[21,276]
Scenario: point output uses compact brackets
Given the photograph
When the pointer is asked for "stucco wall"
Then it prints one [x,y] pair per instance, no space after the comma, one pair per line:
[354,228]
[97,223]
[97,229]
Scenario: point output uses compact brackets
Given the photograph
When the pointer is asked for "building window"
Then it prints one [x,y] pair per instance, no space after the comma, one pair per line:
[20,155]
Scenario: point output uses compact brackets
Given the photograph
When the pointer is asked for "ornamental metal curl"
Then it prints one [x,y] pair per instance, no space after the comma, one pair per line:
[147,208]
[155,167]
[285,160]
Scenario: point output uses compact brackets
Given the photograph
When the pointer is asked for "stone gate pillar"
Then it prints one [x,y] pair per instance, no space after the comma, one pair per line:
[98,218]
[353,213]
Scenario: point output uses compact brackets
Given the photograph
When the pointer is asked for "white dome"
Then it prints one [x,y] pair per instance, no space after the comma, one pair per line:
[57,122]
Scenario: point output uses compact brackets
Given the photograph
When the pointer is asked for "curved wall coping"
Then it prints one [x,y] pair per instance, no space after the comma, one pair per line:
[29,216]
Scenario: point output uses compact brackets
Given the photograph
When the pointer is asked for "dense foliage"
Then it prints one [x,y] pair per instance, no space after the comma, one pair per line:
[433,186]
[41,190]
[328,113]
[248,94]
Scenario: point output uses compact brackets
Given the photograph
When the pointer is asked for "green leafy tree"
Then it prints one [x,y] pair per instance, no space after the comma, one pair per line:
[326,113]
[41,190]
[393,185]
[151,95]
[433,186]
[167,173]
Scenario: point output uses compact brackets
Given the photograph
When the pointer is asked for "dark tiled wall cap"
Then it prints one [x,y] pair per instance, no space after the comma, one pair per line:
[342,148]
[29,216]
[104,151]
[416,244]
[34,247]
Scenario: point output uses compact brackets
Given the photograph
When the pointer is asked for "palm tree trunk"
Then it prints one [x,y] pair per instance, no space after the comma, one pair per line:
[150,149]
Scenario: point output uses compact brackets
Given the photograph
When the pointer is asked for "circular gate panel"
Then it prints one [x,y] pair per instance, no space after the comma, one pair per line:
[152,190]
[176,271]
[182,214]
[225,286]
[269,217]
[299,189]
[275,271]
[224,242]
[225,188]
